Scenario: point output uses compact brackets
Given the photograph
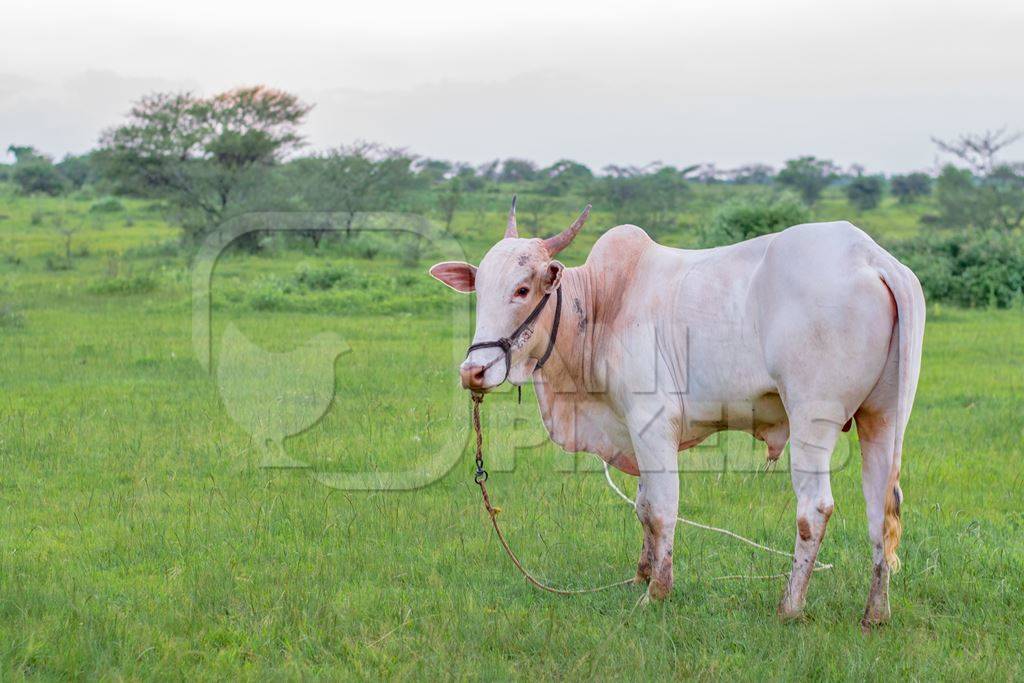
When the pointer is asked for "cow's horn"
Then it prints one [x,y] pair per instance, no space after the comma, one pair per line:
[561,241]
[511,230]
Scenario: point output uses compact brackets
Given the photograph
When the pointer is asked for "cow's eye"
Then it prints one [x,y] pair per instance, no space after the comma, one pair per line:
[522,291]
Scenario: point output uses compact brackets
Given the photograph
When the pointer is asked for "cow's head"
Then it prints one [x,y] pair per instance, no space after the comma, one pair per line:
[510,282]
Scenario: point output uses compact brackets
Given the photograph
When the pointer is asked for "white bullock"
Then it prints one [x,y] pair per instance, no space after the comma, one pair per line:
[788,336]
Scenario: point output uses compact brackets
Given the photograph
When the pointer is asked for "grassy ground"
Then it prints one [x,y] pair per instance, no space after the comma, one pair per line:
[139,537]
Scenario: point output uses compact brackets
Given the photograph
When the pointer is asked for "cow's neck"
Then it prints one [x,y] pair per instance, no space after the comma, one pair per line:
[567,370]
[570,339]
[570,394]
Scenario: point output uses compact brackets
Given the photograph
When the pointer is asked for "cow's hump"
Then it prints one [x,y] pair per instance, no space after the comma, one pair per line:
[621,245]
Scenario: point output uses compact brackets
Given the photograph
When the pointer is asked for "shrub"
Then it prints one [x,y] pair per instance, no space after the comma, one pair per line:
[412,252]
[995,200]
[970,269]
[83,194]
[107,205]
[743,218]
[369,244]
[157,249]
[325,277]
[131,284]
[56,263]
[39,176]
[270,294]
[10,318]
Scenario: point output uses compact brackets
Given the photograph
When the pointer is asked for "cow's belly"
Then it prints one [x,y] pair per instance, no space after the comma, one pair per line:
[761,415]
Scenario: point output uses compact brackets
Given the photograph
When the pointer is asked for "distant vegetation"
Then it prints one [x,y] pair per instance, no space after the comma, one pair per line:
[204,161]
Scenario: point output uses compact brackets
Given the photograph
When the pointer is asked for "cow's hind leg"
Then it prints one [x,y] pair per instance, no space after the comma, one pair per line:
[643,566]
[876,432]
[814,429]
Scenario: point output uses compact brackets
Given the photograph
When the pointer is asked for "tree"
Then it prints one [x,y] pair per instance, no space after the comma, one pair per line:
[433,170]
[908,188]
[620,190]
[357,178]
[707,174]
[77,170]
[752,174]
[865,192]
[808,176]
[1004,196]
[67,232]
[448,202]
[205,155]
[533,211]
[855,171]
[517,171]
[651,197]
[989,193]
[23,153]
[37,175]
[979,150]
[468,178]
[489,170]
[955,194]
[564,175]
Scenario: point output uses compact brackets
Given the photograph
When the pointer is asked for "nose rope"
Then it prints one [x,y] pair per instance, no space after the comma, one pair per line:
[480,477]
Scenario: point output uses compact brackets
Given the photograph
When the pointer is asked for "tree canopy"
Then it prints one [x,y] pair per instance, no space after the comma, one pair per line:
[808,176]
[201,152]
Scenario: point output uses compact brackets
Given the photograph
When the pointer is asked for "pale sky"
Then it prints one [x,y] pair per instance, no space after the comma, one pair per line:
[726,81]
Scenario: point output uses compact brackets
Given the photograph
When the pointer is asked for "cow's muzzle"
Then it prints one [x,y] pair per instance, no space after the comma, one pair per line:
[473,376]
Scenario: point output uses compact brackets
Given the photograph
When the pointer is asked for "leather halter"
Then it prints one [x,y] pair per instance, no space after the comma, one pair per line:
[505,343]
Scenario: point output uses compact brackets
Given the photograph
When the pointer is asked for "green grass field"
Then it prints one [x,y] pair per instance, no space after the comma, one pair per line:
[141,538]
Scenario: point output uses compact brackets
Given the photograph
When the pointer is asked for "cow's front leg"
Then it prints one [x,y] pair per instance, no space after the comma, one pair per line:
[813,438]
[657,504]
[657,513]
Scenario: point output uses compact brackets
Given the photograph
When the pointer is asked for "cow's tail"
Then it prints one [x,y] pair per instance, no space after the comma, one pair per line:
[910,314]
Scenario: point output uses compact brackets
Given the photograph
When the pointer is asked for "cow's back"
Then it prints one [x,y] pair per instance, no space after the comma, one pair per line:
[719,315]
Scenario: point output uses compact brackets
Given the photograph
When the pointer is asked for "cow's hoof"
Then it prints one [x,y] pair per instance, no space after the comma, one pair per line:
[876,612]
[790,615]
[658,590]
[640,579]
[873,618]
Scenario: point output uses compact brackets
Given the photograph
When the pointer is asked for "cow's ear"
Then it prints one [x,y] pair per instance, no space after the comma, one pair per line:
[553,276]
[458,275]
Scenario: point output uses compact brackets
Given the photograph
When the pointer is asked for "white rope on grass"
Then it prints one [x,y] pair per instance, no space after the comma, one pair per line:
[818,566]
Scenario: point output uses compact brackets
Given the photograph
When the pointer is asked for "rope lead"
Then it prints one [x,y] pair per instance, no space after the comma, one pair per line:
[480,477]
